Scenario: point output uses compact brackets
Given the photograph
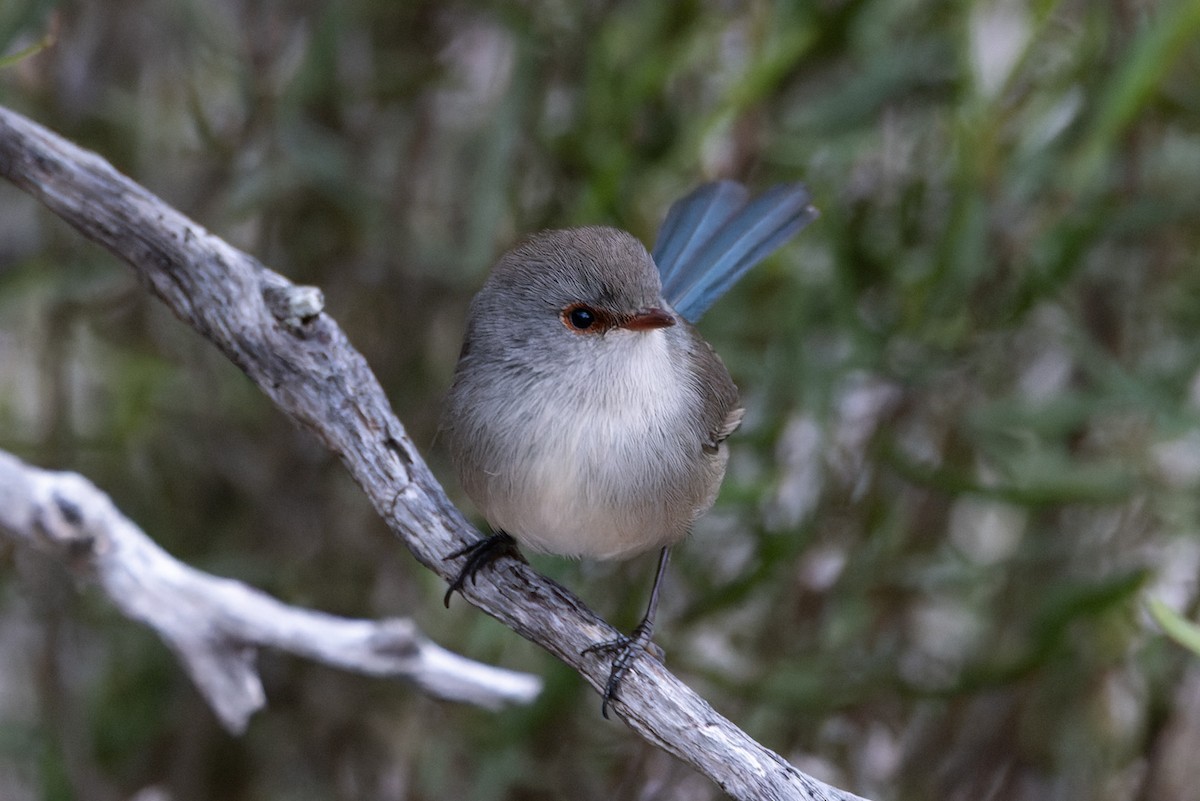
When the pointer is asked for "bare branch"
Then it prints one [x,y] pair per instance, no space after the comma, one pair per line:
[217,625]
[301,359]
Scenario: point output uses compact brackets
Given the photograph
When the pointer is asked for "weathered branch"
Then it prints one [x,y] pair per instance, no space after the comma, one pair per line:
[216,625]
[301,359]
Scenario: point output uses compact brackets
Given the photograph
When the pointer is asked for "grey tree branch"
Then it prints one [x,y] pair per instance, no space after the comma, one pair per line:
[301,359]
[216,625]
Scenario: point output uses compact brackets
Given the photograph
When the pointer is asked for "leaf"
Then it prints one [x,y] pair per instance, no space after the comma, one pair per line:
[46,41]
[1175,626]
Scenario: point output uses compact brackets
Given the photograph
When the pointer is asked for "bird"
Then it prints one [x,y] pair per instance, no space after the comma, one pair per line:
[587,417]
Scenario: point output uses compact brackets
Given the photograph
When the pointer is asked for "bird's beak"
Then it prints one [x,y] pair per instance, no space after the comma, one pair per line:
[648,320]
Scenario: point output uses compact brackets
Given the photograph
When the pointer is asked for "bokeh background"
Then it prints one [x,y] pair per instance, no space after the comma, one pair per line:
[972,450]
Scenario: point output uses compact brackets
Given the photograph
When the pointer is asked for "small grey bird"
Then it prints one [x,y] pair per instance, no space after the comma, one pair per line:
[588,417]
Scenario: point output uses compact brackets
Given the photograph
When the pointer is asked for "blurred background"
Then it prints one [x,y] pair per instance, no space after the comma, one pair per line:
[972,449]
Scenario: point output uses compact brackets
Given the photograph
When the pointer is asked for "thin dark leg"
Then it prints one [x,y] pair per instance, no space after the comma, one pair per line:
[480,554]
[628,648]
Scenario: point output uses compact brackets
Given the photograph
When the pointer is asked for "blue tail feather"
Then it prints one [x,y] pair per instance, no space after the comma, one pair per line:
[715,234]
[690,220]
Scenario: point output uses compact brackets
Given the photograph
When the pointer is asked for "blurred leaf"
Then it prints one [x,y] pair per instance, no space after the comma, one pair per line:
[1168,29]
[1175,626]
[32,50]
[17,15]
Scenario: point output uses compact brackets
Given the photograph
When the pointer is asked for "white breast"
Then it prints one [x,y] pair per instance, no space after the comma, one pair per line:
[613,469]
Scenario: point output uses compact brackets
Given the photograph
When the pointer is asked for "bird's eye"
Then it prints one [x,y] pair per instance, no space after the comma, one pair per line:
[581,318]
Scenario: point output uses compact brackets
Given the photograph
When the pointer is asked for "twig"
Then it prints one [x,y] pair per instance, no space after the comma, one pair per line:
[301,359]
[217,625]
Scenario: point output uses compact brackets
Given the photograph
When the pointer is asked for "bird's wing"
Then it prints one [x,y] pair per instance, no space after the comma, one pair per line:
[716,233]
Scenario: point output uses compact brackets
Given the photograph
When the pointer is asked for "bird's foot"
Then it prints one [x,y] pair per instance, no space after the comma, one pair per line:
[480,554]
[626,650]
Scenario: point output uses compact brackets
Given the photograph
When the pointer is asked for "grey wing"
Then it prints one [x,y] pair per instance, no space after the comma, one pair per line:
[721,410]
[733,419]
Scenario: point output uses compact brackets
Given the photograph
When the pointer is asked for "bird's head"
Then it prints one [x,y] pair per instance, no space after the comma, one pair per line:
[571,288]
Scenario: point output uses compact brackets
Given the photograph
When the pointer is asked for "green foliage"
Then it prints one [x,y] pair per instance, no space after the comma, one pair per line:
[14,18]
[1178,628]
[972,446]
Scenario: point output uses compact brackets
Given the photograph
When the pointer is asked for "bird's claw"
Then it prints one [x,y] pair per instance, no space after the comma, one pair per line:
[627,649]
[480,554]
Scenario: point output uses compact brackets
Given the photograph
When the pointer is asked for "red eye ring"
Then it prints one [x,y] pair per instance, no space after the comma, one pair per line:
[580,317]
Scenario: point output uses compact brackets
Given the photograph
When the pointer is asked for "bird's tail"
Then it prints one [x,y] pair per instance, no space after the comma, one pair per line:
[715,234]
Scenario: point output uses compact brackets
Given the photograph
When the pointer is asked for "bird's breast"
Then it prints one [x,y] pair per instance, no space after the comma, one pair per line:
[605,458]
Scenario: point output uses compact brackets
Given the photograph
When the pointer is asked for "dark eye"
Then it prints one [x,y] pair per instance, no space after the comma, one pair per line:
[580,318]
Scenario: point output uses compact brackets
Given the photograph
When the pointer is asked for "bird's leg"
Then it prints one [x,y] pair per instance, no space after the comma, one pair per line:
[480,554]
[627,648]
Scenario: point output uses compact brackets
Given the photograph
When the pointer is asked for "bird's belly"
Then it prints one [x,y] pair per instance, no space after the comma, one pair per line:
[604,484]
[601,498]
[590,512]
[604,469]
